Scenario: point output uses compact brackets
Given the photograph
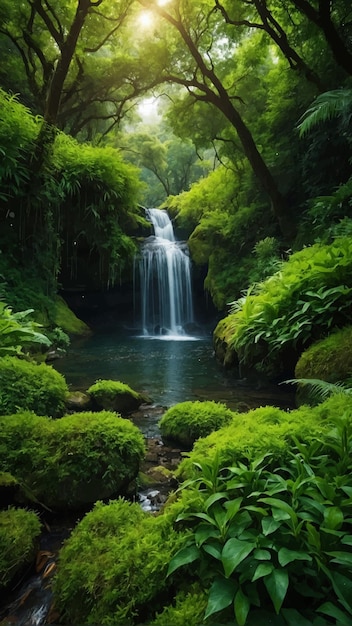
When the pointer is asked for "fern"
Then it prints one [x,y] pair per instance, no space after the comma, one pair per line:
[326,106]
[320,389]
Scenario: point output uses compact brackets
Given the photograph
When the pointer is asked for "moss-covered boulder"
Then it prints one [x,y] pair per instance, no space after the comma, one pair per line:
[19,532]
[329,359]
[74,461]
[66,319]
[185,422]
[78,401]
[9,488]
[262,430]
[112,569]
[222,336]
[27,386]
[113,395]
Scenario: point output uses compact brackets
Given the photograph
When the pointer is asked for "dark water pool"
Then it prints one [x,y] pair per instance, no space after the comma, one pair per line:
[168,370]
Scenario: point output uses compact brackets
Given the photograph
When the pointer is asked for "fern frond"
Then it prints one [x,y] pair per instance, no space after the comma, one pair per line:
[321,389]
[326,106]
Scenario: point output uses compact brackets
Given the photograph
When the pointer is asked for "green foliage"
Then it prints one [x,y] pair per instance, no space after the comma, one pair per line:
[17,331]
[329,359]
[72,461]
[307,298]
[19,531]
[114,395]
[189,608]
[187,421]
[327,105]
[112,569]
[266,429]
[28,386]
[275,539]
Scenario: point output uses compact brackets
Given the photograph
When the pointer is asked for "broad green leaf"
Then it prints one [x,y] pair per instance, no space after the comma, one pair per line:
[205,532]
[333,517]
[262,555]
[264,569]
[343,589]
[269,525]
[232,508]
[328,608]
[214,498]
[294,618]
[347,540]
[234,552]
[343,558]
[277,584]
[241,606]
[221,595]
[286,556]
[282,506]
[183,557]
[213,550]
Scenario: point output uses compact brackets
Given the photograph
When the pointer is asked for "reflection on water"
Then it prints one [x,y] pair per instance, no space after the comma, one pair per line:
[169,371]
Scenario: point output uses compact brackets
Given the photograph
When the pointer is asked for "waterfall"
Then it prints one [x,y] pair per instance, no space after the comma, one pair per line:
[165,280]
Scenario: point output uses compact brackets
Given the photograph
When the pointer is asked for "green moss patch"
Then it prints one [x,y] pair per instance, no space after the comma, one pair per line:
[28,386]
[112,569]
[74,461]
[187,421]
[67,320]
[113,395]
[329,359]
[19,531]
[267,429]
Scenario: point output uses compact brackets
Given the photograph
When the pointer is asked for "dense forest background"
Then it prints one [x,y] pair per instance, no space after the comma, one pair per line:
[235,116]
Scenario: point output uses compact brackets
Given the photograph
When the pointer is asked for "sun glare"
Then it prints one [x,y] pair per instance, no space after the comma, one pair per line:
[146,19]
[162,3]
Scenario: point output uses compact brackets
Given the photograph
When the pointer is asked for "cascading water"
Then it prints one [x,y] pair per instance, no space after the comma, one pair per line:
[165,281]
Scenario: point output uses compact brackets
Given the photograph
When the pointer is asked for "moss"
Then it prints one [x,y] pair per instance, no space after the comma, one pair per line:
[27,386]
[222,336]
[329,359]
[188,609]
[112,569]
[187,421]
[114,395]
[266,429]
[67,320]
[74,461]
[19,531]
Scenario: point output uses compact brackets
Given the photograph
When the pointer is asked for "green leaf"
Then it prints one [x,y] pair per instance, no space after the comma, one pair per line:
[269,525]
[333,517]
[262,555]
[183,557]
[294,618]
[286,556]
[214,498]
[343,558]
[277,584]
[241,606]
[234,552]
[282,506]
[205,532]
[213,550]
[347,540]
[343,589]
[221,595]
[264,569]
[333,611]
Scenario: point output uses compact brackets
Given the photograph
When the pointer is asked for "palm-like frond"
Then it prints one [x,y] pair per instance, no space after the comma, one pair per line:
[321,389]
[328,105]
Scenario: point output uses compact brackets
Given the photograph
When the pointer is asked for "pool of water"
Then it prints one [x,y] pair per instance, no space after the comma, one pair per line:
[168,369]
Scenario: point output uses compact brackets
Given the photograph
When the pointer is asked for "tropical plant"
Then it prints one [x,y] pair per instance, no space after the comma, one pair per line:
[18,330]
[336,103]
[275,538]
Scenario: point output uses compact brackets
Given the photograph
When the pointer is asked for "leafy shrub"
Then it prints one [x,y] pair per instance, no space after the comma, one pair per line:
[306,299]
[28,386]
[266,429]
[72,461]
[113,395]
[19,530]
[187,421]
[17,331]
[278,539]
[112,569]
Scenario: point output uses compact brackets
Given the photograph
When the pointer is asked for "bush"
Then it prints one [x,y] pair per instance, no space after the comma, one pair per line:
[187,421]
[266,429]
[275,541]
[73,461]
[19,531]
[28,386]
[112,569]
[113,395]
[188,609]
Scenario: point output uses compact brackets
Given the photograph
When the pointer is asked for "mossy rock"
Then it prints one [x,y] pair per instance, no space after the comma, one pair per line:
[329,359]
[113,395]
[78,401]
[185,422]
[66,319]
[222,337]
[9,488]
[112,569]
[27,386]
[262,430]
[72,462]
[19,533]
